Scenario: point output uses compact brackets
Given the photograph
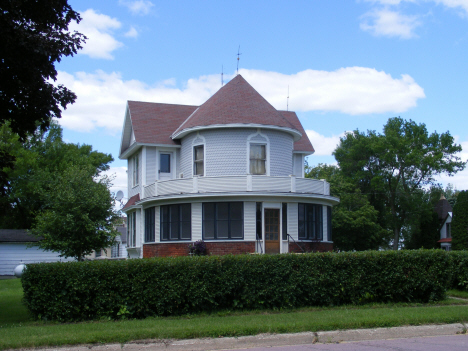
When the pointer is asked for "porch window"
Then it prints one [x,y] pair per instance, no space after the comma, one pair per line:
[223,220]
[131,229]
[257,159]
[150,225]
[198,160]
[310,223]
[176,222]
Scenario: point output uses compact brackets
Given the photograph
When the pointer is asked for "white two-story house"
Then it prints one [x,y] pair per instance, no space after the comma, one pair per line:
[229,172]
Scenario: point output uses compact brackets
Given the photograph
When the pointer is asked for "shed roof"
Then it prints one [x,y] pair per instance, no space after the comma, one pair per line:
[17,236]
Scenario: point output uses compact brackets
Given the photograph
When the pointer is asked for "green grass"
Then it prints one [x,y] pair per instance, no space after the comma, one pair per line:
[458,293]
[11,308]
[17,331]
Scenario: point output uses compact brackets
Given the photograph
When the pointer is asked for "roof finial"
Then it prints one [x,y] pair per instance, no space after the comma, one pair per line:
[238,58]
[287,101]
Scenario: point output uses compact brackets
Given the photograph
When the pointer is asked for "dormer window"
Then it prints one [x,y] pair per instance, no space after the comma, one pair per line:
[136,171]
[198,160]
[257,159]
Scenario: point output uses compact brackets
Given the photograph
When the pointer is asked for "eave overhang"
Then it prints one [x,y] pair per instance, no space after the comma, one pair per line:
[180,134]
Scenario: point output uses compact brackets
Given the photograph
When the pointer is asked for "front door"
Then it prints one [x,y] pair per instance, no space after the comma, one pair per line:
[165,165]
[272,225]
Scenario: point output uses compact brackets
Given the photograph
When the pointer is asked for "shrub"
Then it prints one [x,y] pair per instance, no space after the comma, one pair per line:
[76,291]
[459,266]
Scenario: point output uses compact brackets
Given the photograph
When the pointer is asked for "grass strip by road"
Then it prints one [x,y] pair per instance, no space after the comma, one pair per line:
[22,334]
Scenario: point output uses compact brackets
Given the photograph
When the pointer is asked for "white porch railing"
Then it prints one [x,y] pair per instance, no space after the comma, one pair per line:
[247,183]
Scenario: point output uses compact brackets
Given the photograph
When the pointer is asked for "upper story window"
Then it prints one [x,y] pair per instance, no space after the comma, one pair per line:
[257,159]
[136,170]
[198,160]
[448,230]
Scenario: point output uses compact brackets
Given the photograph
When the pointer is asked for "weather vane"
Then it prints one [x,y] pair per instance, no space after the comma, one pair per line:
[238,58]
[222,81]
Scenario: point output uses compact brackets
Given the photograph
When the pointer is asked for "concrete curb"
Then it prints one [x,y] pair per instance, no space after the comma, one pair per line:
[269,340]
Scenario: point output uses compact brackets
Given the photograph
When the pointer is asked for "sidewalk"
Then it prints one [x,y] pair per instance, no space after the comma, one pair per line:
[270,340]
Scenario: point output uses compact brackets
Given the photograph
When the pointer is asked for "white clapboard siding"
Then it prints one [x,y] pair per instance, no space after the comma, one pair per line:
[11,255]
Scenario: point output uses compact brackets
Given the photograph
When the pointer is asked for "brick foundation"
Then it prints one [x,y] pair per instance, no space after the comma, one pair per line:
[213,248]
[311,247]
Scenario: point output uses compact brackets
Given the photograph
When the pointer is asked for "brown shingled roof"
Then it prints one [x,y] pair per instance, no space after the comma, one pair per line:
[154,123]
[132,201]
[303,144]
[236,102]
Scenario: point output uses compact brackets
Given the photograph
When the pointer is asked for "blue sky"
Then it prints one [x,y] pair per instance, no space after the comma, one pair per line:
[348,64]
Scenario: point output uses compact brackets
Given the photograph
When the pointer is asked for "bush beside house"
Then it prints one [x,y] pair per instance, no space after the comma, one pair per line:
[174,286]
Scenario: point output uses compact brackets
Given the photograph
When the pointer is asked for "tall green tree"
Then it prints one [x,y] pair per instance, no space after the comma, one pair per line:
[460,222]
[38,161]
[392,166]
[354,220]
[34,36]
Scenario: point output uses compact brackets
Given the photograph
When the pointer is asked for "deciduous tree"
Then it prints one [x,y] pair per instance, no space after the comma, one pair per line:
[460,222]
[394,165]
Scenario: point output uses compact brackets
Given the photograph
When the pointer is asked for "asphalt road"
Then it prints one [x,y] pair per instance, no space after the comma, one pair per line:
[434,343]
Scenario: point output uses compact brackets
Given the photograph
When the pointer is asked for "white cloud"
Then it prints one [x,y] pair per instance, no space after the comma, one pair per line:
[102,97]
[119,176]
[460,180]
[137,7]
[454,4]
[132,33]
[389,23]
[324,146]
[98,28]
[353,90]
[350,90]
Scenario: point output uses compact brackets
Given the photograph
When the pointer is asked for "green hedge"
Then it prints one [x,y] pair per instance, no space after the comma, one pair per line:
[459,269]
[76,291]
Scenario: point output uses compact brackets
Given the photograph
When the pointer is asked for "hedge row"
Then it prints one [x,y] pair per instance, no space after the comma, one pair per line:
[459,270]
[76,291]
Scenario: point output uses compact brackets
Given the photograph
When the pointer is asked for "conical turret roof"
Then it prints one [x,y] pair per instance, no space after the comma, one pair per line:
[236,103]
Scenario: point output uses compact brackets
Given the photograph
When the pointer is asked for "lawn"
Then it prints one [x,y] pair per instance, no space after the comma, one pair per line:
[18,331]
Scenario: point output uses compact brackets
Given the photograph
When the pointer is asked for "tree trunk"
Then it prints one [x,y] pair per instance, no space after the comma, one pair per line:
[396,238]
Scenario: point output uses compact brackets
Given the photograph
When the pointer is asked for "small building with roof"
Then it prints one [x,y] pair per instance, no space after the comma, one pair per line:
[444,213]
[229,172]
[15,248]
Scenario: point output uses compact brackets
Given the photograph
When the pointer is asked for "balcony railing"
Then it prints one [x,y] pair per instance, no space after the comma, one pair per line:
[247,183]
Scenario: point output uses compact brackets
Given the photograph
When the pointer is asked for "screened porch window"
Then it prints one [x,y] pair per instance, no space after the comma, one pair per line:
[257,159]
[310,222]
[223,220]
[198,160]
[176,222]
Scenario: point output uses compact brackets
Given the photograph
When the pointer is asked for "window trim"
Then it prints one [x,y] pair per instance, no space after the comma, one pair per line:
[266,142]
[215,220]
[195,160]
[180,221]
[135,170]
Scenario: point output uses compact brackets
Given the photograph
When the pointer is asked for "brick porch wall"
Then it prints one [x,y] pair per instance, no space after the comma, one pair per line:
[311,247]
[213,248]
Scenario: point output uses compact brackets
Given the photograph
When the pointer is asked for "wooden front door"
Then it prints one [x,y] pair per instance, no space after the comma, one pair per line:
[272,224]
